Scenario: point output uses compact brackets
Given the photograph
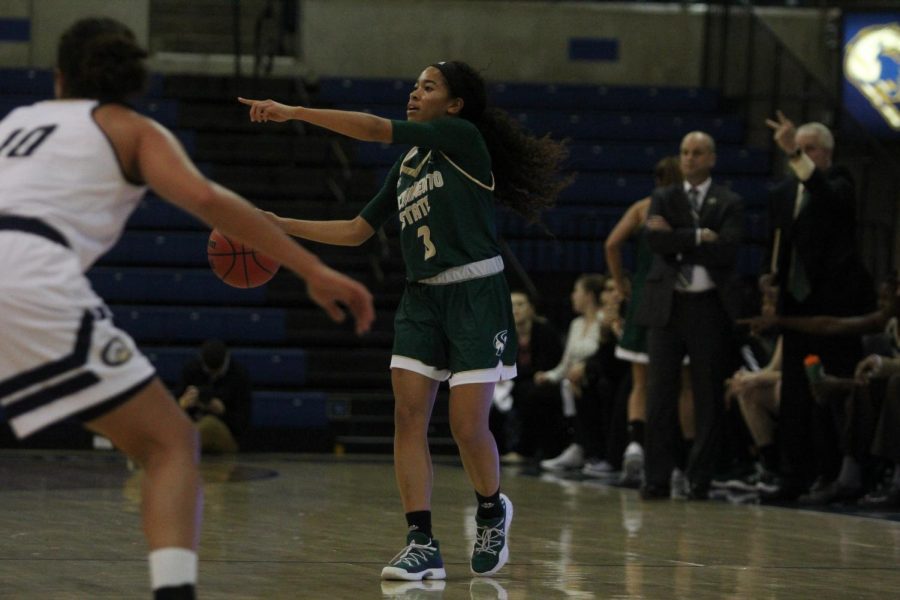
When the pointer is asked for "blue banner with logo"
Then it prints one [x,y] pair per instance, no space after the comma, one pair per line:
[871,71]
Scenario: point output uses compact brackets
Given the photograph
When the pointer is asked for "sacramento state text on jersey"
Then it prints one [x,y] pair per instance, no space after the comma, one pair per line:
[430,187]
[412,203]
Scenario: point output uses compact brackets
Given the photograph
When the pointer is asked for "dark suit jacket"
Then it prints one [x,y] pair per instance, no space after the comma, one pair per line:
[722,212]
[824,235]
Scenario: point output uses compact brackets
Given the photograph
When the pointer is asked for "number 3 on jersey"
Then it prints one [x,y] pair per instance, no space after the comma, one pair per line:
[425,233]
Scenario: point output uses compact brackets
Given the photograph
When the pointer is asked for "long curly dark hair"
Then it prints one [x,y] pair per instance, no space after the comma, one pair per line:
[100,58]
[526,168]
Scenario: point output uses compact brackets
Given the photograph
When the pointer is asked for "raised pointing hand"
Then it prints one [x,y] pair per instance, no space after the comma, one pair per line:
[785,132]
[262,111]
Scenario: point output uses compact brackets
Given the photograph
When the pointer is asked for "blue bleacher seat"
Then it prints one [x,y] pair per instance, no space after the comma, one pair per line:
[294,410]
[18,80]
[339,90]
[602,126]
[172,286]
[393,111]
[266,366]
[155,86]
[155,213]
[27,86]
[579,232]
[749,260]
[368,154]
[546,256]
[753,189]
[609,157]
[171,324]
[188,139]
[164,111]
[170,248]
[756,226]
[593,97]
[623,189]
[628,126]
[33,82]
[643,157]
[607,188]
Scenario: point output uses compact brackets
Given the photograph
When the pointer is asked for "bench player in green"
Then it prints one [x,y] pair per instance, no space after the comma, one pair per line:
[455,320]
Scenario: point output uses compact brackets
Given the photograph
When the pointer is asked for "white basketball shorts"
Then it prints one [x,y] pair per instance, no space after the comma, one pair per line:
[60,356]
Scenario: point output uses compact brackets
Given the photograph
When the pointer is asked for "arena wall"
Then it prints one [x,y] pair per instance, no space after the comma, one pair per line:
[45,20]
[612,43]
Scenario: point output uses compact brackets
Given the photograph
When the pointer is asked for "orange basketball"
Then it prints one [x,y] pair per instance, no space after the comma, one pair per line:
[238,265]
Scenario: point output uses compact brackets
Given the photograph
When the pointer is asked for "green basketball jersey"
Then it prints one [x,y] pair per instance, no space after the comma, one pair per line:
[441,192]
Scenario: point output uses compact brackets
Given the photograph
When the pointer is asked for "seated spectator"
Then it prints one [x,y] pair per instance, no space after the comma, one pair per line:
[215,392]
[758,395]
[756,390]
[521,428]
[605,388]
[886,437]
[582,341]
[865,416]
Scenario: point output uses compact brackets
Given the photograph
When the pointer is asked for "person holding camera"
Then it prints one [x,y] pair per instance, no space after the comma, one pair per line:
[215,393]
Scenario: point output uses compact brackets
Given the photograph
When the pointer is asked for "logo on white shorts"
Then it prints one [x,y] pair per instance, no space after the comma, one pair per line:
[500,341]
[116,352]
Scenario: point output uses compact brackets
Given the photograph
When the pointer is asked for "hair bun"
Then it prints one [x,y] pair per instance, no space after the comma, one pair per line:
[99,58]
[113,66]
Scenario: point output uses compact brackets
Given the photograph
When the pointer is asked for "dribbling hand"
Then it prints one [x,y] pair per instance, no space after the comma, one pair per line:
[327,288]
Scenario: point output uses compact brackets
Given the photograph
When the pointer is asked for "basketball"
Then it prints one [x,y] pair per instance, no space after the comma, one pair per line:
[238,265]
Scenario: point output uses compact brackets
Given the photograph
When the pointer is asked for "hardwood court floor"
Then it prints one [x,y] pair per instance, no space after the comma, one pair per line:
[321,527]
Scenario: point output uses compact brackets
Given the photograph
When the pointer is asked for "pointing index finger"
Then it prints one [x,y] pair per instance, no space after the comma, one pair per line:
[246,101]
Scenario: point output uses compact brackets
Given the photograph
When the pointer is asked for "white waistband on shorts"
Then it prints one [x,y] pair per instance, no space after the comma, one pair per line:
[473,270]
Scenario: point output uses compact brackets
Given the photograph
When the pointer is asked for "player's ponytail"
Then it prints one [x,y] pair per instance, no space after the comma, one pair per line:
[526,168]
[99,58]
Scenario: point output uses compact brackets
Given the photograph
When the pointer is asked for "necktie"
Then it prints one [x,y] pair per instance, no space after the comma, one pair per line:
[694,199]
[798,281]
[686,271]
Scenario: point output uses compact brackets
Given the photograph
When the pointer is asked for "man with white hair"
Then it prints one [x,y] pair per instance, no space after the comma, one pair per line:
[814,264]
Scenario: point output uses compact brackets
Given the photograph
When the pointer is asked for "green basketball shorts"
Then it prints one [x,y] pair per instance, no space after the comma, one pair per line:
[462,331]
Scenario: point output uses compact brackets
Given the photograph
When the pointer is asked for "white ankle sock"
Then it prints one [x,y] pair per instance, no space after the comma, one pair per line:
[172,567]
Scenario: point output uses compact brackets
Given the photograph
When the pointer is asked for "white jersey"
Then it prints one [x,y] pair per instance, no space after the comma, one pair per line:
[57,165]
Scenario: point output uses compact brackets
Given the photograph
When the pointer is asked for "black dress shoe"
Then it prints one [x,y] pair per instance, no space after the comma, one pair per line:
[882,500]
[651,491]
[831,494]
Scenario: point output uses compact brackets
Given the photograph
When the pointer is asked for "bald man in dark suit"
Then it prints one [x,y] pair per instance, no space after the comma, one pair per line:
[689,305]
